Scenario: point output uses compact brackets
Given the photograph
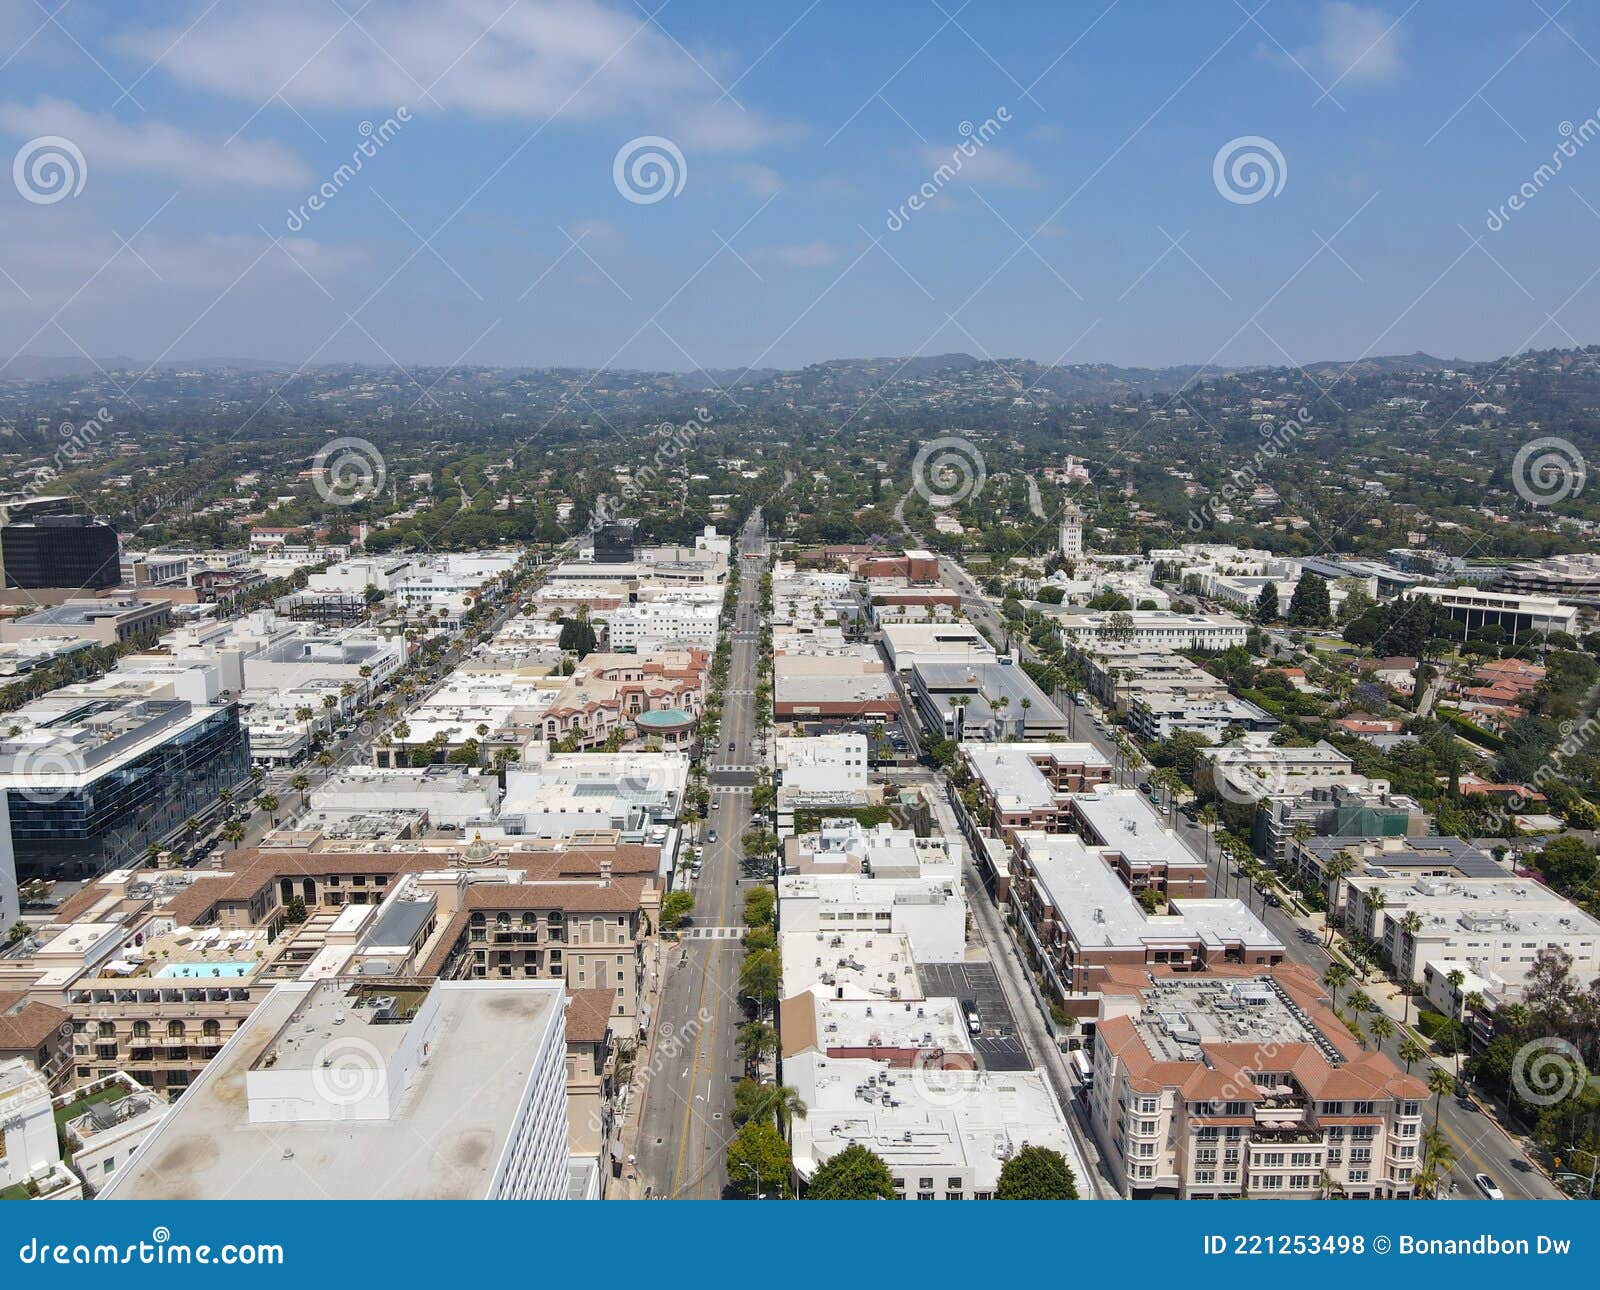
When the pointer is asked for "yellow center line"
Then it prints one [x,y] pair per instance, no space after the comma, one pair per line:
[710,1032]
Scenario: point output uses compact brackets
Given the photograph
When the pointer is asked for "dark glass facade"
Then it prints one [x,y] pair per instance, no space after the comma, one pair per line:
[112,820]
[614,542]
[61,551]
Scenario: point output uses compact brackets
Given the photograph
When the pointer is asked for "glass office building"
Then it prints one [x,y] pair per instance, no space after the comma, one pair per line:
[91,783]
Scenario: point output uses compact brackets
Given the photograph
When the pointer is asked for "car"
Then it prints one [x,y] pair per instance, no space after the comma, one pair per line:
[711,836]
[969,1008]
[1488,1187]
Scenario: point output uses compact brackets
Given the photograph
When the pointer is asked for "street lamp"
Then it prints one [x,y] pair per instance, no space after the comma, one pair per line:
[747,1167]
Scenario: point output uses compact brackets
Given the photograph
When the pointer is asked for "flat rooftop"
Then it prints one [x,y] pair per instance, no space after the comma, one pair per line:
[1100,912]
[1179,1016]
[443,1144]
[1013,776]
[1124,821]
[865,965]
[921,1121]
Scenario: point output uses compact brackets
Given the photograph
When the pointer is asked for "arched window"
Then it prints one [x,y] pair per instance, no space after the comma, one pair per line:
[212,1030]
[141,1030]
[174,1030]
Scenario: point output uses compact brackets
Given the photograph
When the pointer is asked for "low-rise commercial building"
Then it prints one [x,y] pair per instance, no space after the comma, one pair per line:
[455,1091]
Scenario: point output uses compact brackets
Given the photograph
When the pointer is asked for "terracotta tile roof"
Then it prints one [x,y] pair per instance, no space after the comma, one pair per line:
[24,1025]
[1226,1075]
[589,1015]
[251,870]
[621,897]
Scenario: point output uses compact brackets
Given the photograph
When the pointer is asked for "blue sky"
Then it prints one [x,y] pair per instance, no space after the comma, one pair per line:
[1089,225]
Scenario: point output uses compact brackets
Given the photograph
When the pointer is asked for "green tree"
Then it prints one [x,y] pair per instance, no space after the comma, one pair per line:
[1309,606]
[759,1163]
[757,1041]
[853,1174]
[19,929]
[1335,978]
[1037,1173]
[675,907]
[1569,865]
[1267,603]
[295,910]
[1440,1082]
[761,977]
[760,907]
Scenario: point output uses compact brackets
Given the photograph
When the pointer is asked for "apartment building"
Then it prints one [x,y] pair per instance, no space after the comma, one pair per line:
[1240,1082]
[1030,786]
[1081,919]
[1151,628]
[1498,924]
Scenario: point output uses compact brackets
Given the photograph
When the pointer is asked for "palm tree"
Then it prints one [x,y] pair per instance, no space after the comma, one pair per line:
[778,1102]
[1337,976]
[300,783]
[1207,818]
[1411,1052]
[1334,873]
[1438,1153]
[1440,1082]
[1381,1029]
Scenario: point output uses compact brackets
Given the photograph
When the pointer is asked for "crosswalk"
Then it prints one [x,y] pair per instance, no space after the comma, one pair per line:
[713,933]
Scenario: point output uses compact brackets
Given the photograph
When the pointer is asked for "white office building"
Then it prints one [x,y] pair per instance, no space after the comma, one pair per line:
[373,1090]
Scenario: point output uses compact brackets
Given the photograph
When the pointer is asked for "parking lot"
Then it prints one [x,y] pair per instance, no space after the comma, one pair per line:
[1000,1046]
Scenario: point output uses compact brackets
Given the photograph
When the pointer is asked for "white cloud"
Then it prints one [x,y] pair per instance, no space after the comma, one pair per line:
[110,144]
[799,255]
[578,60]
[988,165]
[1357,44]
[759,181]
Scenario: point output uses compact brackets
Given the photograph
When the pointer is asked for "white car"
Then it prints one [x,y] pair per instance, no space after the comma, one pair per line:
[1488,1187]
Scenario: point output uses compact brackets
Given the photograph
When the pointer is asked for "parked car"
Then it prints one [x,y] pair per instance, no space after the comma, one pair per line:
[1488,1187]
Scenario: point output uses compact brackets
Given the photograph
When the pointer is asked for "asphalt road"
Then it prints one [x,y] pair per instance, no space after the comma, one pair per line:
[1481,1145]
[686,1116]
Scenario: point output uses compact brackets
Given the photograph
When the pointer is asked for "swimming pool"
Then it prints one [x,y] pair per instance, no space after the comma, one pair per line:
[190,971]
